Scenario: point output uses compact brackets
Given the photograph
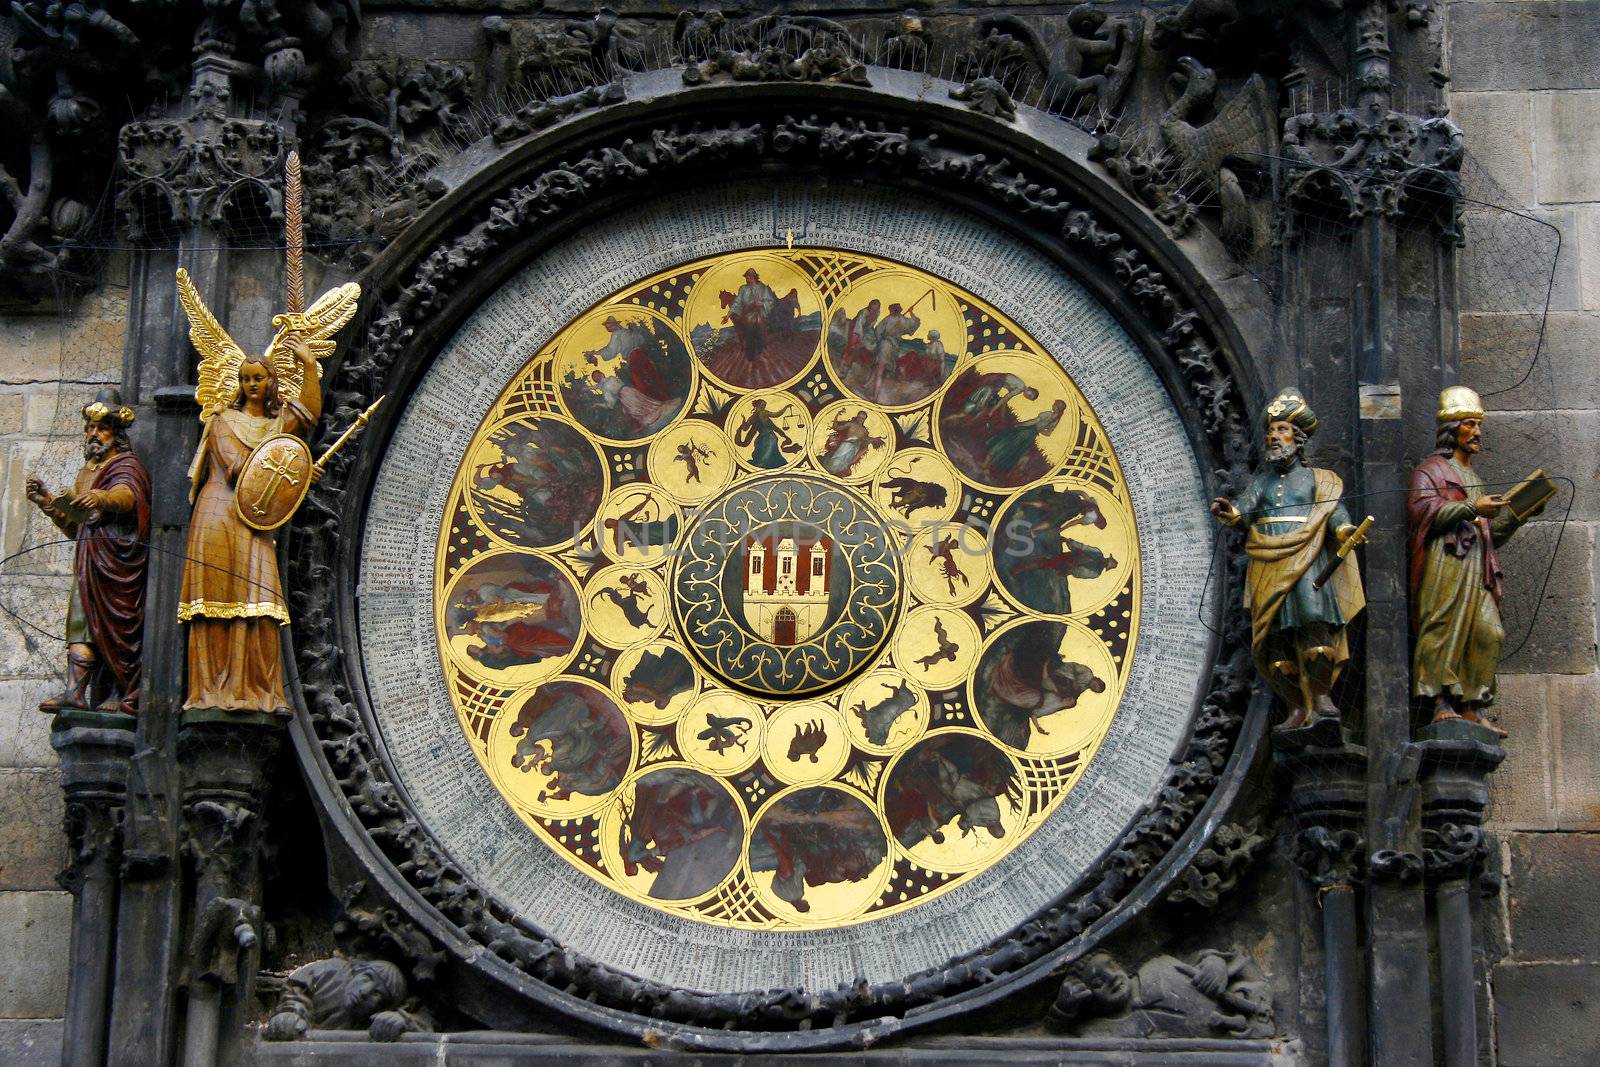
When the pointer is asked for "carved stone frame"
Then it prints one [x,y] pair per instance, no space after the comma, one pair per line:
[505,204]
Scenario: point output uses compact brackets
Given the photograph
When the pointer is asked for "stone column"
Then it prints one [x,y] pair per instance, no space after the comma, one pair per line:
[1392,176]
[1457,759]
[179,177]
[1327,809]
[94,749]
[226,759]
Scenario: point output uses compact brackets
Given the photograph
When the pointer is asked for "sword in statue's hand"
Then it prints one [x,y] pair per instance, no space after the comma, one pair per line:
[1358,536]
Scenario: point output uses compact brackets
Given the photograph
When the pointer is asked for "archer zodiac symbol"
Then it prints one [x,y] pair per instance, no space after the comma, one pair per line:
[282,469]
[640,531]
[722,732]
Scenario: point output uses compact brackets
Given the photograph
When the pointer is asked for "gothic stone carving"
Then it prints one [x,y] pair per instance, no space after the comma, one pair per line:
[1214,994]
[1216,869]
[172,175]
[851,147]
[767,48]
[549,60]
[1330,858]
[986,96]
[368,930]
[342,994]
[67,69]
[1453,851]
[367,171]
[1348,162]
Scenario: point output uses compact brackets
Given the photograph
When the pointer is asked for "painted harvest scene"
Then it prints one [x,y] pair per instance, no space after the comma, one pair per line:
[787,589]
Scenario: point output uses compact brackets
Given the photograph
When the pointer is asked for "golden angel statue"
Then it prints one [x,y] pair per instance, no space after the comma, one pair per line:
[232,599]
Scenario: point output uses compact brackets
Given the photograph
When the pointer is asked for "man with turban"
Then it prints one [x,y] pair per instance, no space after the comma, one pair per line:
[1456,582]
[107,514]
[1295,524]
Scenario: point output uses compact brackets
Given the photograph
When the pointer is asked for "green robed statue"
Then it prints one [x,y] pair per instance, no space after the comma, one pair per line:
[1295,526]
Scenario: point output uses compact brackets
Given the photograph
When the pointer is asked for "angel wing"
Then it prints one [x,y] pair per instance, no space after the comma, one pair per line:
[220,356]
[324,318]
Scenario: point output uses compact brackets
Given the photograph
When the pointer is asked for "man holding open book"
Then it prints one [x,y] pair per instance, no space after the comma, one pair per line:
[107,514]
[1456,582]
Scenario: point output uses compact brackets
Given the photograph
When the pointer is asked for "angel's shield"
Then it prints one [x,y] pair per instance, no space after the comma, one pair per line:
[273,482]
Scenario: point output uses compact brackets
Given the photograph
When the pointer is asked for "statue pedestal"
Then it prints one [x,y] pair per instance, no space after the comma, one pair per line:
[1458,757]
[1328,808]
[94,748]
[225,758]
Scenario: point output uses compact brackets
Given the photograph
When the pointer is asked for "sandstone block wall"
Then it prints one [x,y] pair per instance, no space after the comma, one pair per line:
[1525,86]
[51,363]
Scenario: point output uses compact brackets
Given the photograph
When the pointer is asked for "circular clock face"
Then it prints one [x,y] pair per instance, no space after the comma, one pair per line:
[779,591]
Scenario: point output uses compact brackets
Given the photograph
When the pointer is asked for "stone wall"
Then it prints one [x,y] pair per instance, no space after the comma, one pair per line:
[51,363]
[1526,89]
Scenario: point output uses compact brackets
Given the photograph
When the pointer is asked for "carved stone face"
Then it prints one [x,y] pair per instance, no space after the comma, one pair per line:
[1469,436]
[366,995]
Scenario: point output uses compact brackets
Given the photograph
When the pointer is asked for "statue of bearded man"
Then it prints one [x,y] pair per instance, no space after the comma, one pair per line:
[107,514]
[1295,525]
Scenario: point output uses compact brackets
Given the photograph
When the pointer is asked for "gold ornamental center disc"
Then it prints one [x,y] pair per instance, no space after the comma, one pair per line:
[787,589]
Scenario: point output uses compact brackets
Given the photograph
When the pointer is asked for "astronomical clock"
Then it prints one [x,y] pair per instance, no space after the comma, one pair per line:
[749,609]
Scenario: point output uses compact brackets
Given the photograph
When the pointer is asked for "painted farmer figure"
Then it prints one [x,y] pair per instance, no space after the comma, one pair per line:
[1295,523]
[107,514]
[1456,582]
[752,307]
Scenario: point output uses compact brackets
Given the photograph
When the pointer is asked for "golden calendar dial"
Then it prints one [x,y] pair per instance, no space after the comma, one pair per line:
[787,589]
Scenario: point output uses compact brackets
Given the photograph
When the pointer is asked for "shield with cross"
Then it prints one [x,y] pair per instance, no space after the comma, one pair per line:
[272,482]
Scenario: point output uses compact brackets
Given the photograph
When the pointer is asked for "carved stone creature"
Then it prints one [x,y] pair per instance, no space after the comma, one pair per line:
[1216,869]
[766,48]
[1198,22]
[580,50]
[1096,59]
[341,994]
[65,65]
[1215,994]
[1242,135]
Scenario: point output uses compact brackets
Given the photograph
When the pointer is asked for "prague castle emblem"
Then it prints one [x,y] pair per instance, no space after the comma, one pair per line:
[786,587]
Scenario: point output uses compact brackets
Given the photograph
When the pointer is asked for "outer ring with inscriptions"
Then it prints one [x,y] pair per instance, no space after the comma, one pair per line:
[1169,322]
